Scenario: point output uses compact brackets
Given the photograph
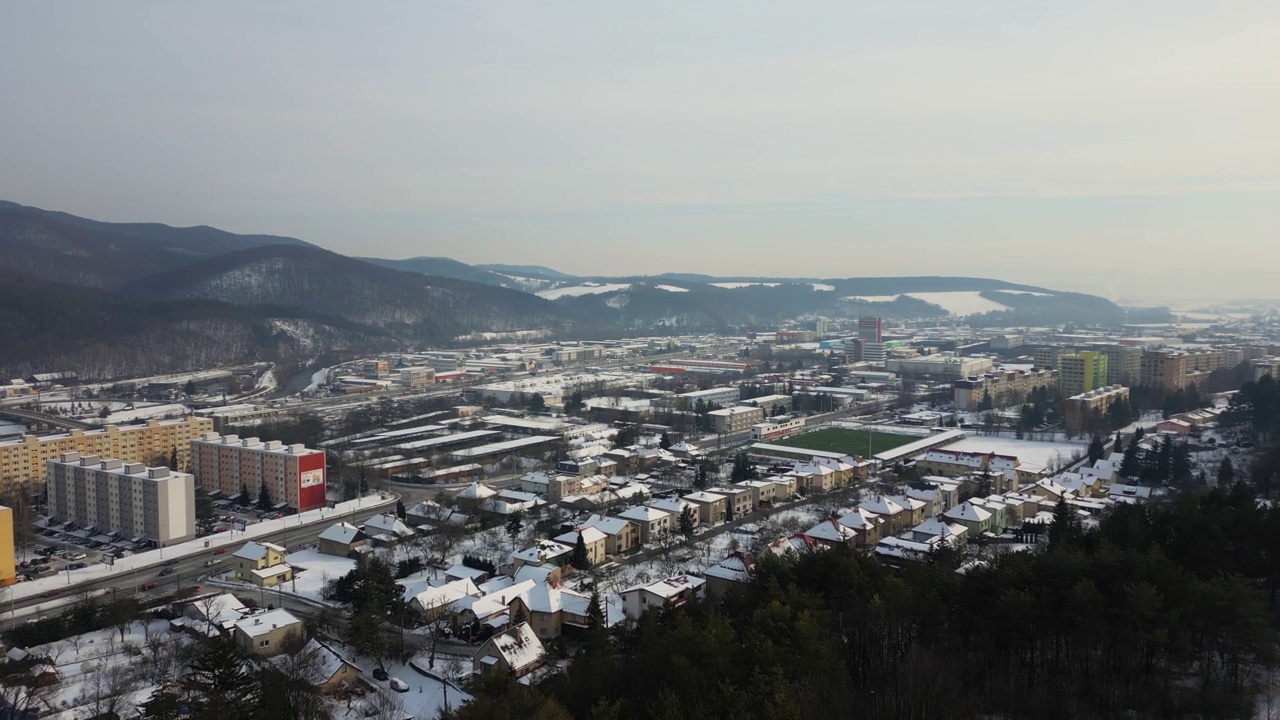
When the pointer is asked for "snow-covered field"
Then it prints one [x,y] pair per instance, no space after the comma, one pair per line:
[583,289]
[1026,292]
[736,285]
[671,288]
[823,287]
[1027,451]
[958,302]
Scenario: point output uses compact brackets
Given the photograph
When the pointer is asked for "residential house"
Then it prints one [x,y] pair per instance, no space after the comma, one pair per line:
[491,608]
[653,523]
[473,496]
[831,532]
[762,492]
[262,564]
[711,506]
[620,534]
[325,669]
[387,530]
[786,487]
[437,600]
[266,633]
[930,495]
[738,499]
[214,615]
[915,508]
[671,592]
[541,552]
[592,538]
[516,650]
[341,539]
[897,518]
[464,572]
[736,568]
[948,489]
[812,477]
[796,544]
[939,531]
[676,506]
[867,526]
[974,517]
[549,608]
[1047,488]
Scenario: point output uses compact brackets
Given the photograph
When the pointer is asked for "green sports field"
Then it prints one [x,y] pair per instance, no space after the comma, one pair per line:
[849,442]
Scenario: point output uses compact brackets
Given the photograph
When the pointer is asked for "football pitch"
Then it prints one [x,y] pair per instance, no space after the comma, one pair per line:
[849,442]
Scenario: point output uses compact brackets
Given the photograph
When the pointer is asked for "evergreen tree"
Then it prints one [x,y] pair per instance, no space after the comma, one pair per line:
[165,704]
[189,389]
[400,510]
[243,500]
[579,557]
[264,498]
[1226,472]
[515,523]
[1165,461]
[1129,465]
[1066,530]
[685,523]
[537,403]
[700,477]
[1096,450]
[1180,464]
[221,684]
[665,441]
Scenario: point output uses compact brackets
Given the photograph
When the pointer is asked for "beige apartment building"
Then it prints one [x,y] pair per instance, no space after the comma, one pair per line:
[23,460]
[1000,384]
[736,419]
[1080,408]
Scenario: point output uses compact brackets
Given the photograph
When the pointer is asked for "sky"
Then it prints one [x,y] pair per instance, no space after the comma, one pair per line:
[1124,148]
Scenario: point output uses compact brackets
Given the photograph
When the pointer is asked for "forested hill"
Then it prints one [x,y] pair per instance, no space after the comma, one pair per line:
[1164,611]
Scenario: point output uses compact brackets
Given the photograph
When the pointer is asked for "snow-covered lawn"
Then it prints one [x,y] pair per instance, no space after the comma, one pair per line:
[426,697]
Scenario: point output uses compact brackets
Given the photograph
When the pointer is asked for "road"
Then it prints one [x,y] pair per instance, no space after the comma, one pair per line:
[53,420]
[186,571]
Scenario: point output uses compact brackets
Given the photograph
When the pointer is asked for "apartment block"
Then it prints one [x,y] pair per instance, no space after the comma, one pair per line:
[23,460]
[1001,385]
[1081,372]
[8,572]
[1080,408]
[293,474]
[724,397]
[1047,356]
[736,419]
[155,504]
[1124,363]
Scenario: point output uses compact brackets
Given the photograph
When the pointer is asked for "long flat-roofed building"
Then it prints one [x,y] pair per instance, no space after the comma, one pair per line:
[155,504]
[294,475]
[23,460]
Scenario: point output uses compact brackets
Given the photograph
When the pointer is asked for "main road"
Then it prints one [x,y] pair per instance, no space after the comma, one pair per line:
[183,572]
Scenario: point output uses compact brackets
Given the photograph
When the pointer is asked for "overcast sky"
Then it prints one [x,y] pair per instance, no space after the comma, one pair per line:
[1115,147]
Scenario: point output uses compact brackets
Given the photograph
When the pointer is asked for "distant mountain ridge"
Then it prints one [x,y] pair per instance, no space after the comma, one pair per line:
[109,299]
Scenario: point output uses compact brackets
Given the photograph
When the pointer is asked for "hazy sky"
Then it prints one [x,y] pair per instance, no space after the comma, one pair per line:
[1117,147]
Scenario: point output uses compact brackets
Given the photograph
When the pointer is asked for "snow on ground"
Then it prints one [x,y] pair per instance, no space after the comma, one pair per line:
[318,378]
[1027,451]
[959,302]
[1026,292]
[200,546]
[671,288]
[313,570]
[79,667]
[823,287]
[872,298]
[583,289]
[736,285]
[963,302]
[426,697]
[268,381]
[146,412]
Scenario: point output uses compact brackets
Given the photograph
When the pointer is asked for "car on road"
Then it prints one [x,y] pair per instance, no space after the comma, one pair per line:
[399,685]
[150,586]
[166,571]
[52,593]
[172,561]
[211,563]
[379,674]
[77,566]
[220,551]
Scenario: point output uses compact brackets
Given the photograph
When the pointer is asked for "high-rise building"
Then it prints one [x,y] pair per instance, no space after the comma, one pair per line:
[1165,369]
[871,329]
[23,460]
[1046,356]
[1081,372]
[1081,409]
[293,475]
[8,559]
[1002,386]
[1124,363]
[151,504]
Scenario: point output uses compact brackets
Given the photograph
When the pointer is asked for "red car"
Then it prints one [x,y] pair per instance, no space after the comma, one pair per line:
[220,551]
[150,586]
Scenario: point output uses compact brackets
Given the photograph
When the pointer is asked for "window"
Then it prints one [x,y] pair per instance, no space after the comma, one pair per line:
[543,617]
[264,643]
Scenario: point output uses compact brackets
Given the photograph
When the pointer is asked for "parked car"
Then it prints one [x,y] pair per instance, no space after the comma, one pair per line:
[150,586]
[399,685]
[77,566]
[379,674]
